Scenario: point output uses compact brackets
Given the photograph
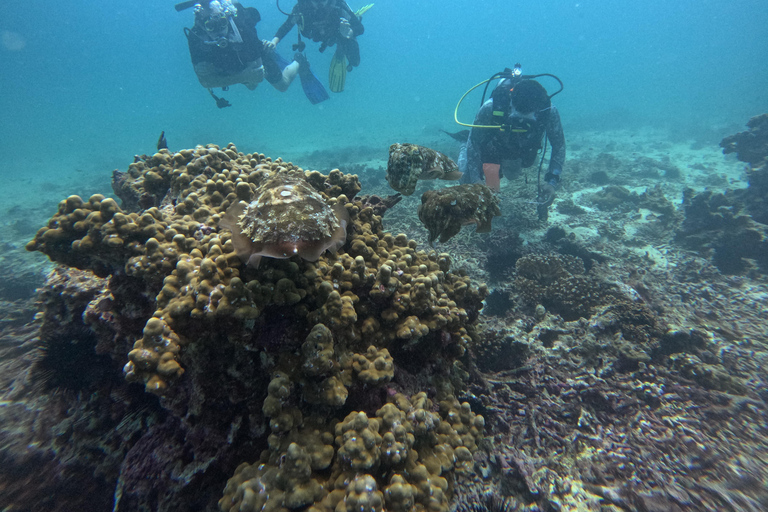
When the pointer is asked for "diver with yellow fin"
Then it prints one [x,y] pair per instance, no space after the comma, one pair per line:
[328,22]
[508,132]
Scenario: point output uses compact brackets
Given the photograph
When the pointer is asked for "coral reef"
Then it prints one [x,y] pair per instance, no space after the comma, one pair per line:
[614,197]
[397,456]
[717,225]
[446,210]
[613,366]
[409,163]
[293,345]
[750,146]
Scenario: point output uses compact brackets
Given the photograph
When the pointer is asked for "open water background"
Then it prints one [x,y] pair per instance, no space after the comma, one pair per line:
[86,85]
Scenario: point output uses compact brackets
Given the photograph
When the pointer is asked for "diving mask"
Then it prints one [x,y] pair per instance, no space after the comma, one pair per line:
[216,24]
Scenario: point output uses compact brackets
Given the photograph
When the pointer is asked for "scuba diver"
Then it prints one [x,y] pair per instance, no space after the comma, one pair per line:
[508,133]
[225,50]
[328,22]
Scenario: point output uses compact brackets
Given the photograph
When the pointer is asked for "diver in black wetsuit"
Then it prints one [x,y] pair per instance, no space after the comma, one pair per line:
[225,49]
[525,111]
[328,22]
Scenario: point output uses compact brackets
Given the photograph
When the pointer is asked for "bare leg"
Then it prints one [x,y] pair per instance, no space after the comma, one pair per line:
[289,74]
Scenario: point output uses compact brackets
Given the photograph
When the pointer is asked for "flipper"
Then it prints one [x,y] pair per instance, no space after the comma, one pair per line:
[359,13]
[281,62]
[313,87]
[337,74]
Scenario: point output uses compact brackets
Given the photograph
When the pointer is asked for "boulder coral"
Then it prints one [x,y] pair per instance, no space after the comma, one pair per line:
[308,347]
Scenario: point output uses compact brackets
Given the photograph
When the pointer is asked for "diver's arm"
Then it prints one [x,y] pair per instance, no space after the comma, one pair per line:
[354,21]
[557,140]
[284,29]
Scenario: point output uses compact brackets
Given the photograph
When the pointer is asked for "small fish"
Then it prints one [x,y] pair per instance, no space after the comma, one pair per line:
[460,136]
[162,143]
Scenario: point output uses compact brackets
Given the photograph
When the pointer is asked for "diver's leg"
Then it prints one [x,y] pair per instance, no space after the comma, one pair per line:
[289,74]
[280,79]
[510,168]
[463,163]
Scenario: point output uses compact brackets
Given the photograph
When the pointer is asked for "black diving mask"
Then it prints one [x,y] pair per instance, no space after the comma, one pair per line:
[216,24]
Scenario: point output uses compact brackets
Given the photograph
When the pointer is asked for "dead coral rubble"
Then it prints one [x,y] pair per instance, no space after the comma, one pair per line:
[293,345]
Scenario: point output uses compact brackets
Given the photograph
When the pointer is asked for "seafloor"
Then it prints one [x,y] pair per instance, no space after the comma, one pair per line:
[619,360]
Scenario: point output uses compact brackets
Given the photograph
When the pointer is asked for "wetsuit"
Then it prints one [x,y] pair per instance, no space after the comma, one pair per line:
[223,65]
[321,25]
[491,145]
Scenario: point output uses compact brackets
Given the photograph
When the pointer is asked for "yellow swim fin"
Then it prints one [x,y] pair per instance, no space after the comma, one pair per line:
[337,73]
[359,13]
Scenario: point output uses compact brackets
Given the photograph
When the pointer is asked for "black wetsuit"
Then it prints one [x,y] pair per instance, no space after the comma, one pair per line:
[491,145]
[321,25]
[234,57]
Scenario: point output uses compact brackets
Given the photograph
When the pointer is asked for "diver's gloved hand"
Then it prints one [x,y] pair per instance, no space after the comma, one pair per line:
[545,200]
[345,29]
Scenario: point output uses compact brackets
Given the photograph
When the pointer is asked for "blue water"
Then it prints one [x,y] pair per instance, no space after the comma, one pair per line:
[86,85]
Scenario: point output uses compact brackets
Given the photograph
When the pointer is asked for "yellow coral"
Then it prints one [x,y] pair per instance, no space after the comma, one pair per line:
[359,441]
[373,367]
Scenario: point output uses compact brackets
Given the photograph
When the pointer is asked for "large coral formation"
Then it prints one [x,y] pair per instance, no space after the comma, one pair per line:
[331,333]
[409,163]
[717,225]
[750,146]
[446,210]
[731,227]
